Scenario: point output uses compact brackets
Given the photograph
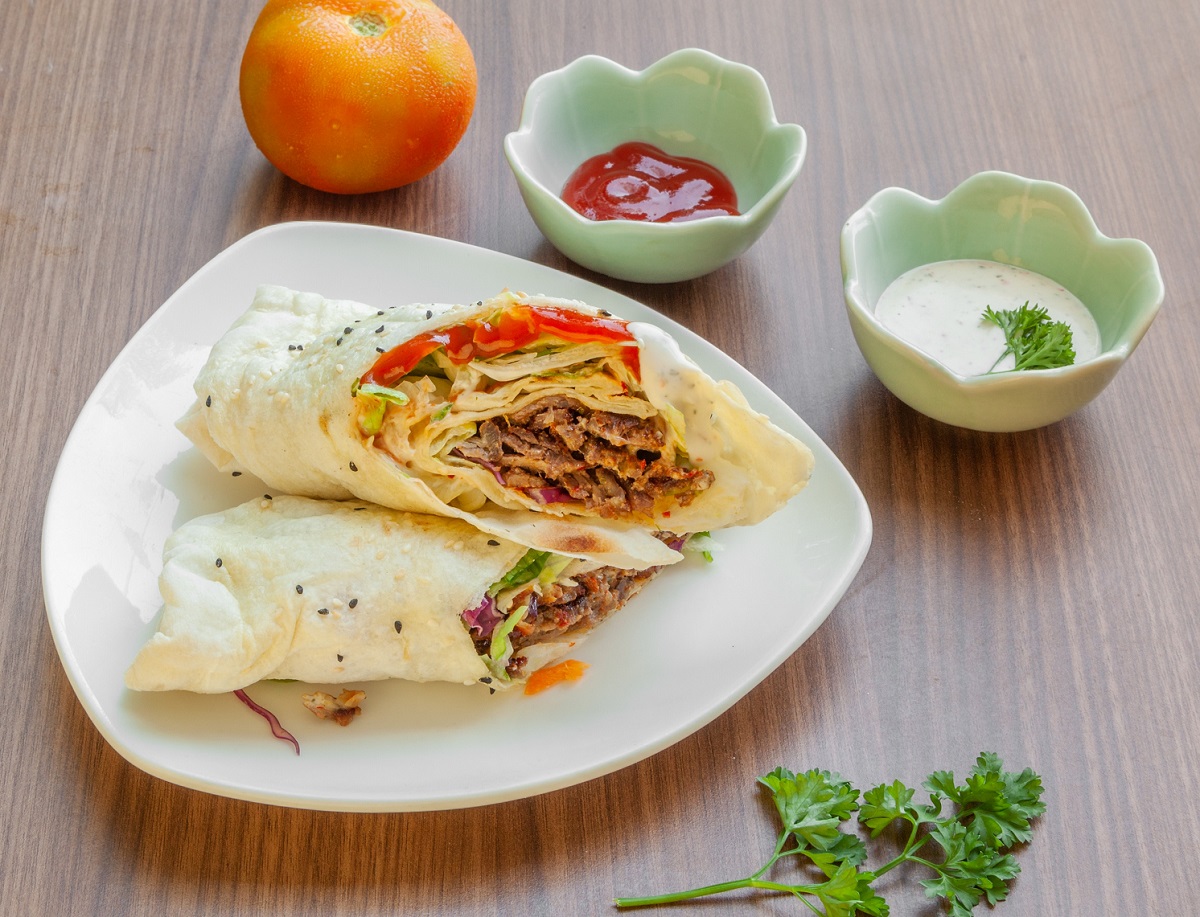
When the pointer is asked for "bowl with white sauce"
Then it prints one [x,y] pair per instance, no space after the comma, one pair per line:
[962,306]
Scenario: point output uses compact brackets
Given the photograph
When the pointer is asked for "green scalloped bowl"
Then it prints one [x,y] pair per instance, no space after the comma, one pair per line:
[997,216]
[690,103]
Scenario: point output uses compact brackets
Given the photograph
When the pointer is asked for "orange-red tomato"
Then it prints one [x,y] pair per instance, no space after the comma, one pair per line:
[568,670]
[356,95]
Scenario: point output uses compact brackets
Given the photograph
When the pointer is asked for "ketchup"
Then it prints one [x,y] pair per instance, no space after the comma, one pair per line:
[517,326]
[637,181]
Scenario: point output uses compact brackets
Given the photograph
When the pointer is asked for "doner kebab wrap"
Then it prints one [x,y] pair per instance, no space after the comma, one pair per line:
[335,592]
[523,415]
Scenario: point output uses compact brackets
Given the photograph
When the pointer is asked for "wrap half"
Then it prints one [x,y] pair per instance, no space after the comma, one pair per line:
[336,592]
[522,415]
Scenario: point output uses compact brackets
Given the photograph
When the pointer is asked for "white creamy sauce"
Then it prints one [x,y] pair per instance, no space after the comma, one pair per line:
[938,308]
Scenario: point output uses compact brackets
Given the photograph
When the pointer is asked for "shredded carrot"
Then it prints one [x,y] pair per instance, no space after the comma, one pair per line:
[568,670]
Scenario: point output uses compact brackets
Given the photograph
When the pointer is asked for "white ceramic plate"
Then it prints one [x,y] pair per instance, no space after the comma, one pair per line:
[695,641]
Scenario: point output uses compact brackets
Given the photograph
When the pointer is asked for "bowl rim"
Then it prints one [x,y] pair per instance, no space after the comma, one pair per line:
[701,57]
[1036,188]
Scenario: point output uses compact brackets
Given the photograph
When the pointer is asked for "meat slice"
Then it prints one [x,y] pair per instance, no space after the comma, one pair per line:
[341,709]
[579,608]
[486,446]
[610,462]
[625,430]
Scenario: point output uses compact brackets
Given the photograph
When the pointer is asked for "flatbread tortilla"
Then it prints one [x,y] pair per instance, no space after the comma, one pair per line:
[318,591]
[332,592]
[281,397]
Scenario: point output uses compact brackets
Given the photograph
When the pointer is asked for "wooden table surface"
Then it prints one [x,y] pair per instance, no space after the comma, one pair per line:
[1033,594]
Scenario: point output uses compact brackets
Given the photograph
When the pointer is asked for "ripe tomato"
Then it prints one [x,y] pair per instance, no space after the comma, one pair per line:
[356,95]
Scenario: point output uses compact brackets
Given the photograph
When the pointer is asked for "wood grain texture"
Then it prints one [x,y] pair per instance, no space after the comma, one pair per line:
[1034,594]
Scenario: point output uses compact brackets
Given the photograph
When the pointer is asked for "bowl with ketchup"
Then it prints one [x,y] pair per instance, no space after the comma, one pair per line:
[658,175]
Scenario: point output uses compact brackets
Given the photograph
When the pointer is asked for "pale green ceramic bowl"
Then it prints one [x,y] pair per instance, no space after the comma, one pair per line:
[1037,225]
[690,103]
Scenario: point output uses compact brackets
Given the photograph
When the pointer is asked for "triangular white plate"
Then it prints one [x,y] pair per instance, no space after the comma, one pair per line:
[695,641]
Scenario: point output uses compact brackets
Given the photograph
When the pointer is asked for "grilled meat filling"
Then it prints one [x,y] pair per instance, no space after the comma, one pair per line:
[575,607]
[558,449]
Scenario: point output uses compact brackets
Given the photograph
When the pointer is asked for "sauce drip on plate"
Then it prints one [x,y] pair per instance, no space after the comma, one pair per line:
[637,181]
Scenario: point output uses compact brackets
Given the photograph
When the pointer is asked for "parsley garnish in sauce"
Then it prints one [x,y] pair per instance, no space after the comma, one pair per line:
[1034,340]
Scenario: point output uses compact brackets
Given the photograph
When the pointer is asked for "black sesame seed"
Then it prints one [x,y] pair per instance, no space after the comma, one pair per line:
[480,303]
[299,590]
[208,401]
[353,467]
[353,602]
[398,626]
[379,330]
[299,346]
[491,690]
[219,561]
[606,313]
[487,679]
[379,350]
[267,497]
[347,330]
[359,509]
[338,343]
[291,346]
[237,474]
[429,313]
[380,312]
[340,657]
[493,542]
[322,611]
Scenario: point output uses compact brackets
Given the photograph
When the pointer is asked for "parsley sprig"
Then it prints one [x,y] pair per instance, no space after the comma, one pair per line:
[1032,338]
[987,816]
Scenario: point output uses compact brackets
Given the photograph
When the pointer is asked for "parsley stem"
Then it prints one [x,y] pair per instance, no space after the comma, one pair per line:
[905,855]
[748,882]
[775,855]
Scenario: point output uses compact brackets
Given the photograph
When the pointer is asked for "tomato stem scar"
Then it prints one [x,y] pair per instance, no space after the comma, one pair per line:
[368,23]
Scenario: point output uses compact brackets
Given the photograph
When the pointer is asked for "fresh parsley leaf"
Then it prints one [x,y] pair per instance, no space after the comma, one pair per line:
[1032,338]
[1001,803]
[848,892]
[885,803]
[973,869]
[812,806]
[975,824]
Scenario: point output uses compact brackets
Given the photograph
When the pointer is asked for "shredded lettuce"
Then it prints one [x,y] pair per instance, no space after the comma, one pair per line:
[583,371]
[555,564]
[528,568]
[395,396]
[428,366]
[370,421]
[378,397]
[701,543]
[542,566]
[499,645]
